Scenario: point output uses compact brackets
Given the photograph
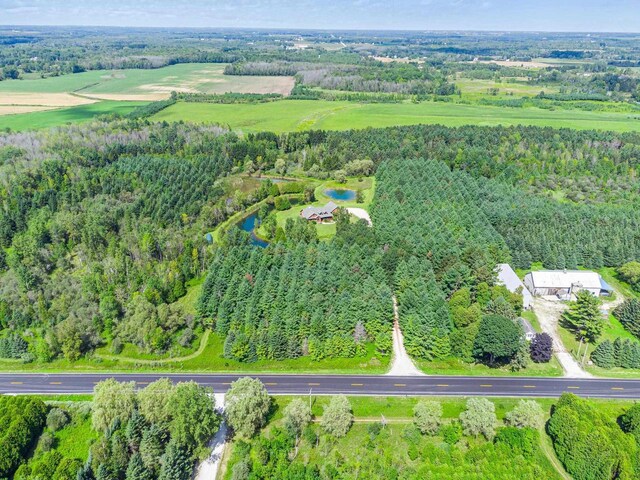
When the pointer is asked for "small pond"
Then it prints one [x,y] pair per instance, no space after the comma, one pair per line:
[340,194]
[249,224]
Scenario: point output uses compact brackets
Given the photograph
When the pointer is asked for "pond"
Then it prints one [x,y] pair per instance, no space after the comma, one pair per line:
[249,224]
[340,194]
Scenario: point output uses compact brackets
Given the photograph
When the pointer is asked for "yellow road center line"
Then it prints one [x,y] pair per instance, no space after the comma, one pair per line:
[226,383]
[313,384]
[270,383]
[399,384]
[357,384]
[442,385]
[486,386]
[16,383]
[55,383]
[574,388]
[142,383]
[617,388]
[529,386]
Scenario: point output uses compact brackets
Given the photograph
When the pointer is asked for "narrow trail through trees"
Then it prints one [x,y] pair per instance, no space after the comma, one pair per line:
[401,363]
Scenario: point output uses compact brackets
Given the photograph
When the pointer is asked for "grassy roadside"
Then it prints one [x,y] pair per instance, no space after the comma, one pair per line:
[210,360]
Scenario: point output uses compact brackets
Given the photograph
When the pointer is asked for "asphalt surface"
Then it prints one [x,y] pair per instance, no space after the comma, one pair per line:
[21,383]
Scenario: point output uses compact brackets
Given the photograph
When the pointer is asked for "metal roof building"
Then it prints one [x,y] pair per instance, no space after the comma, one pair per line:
[564,283]
[508,277]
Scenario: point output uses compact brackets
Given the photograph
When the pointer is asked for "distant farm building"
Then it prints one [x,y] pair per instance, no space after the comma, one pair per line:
[320,214]
[508,278]
[565,283]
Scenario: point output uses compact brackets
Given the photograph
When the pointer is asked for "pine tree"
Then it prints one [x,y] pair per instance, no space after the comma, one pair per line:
[136,469]
[604,355]
[135,429]
[176,463]
[584,317]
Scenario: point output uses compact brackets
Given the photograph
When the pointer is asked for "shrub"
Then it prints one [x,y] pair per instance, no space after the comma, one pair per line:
[337,416]
[56,419]
[526,414]
[479,418]
[541,348]
[282,203]
[46,442]
[630,422]
[588,443]
[427,417]
[523,441]
[451,433]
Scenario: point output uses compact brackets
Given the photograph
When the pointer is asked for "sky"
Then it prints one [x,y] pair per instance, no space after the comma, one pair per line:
[502,15]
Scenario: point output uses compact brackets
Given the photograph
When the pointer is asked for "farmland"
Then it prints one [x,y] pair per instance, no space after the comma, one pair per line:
[150,84]
[297,115]
[34,102]
[62,116]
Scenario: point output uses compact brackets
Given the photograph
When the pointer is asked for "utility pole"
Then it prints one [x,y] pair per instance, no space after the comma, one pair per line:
[310,390]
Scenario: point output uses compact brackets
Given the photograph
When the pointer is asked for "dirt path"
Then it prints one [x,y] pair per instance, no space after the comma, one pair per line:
[549,312]
[401,363]
[208,468]
[198,352]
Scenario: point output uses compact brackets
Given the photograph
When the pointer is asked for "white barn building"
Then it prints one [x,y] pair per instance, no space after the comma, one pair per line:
[508,277]
[565,283]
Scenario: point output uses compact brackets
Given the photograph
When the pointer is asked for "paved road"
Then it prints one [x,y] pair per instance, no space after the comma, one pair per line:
[348,384]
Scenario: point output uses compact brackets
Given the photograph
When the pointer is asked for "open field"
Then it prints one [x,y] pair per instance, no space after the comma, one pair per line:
[58,117]
[150,85]
[22,109]
[43,99]
[295,115]
[479,88]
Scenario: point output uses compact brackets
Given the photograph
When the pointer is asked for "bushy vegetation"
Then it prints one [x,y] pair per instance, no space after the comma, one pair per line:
[21,421]
[380,450]
[590,445]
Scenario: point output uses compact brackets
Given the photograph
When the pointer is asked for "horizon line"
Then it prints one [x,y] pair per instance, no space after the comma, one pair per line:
[308,29]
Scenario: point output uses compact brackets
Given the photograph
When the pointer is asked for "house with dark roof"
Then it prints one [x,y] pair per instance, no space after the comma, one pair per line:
[319,214]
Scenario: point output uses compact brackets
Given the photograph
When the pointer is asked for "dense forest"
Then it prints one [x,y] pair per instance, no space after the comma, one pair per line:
[102,227]
[92,216]
[321,300]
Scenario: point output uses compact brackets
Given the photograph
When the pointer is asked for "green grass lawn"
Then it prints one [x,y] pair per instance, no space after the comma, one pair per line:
[455,366]
[371,407]
[327,231]
[62,116]
[296,115]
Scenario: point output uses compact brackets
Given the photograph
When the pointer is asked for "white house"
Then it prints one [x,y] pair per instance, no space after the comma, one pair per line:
[565,283]
[529,331]
[509,278]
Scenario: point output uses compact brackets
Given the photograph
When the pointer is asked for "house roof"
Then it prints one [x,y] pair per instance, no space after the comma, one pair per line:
[565,278]
[508,277]
[321,212]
